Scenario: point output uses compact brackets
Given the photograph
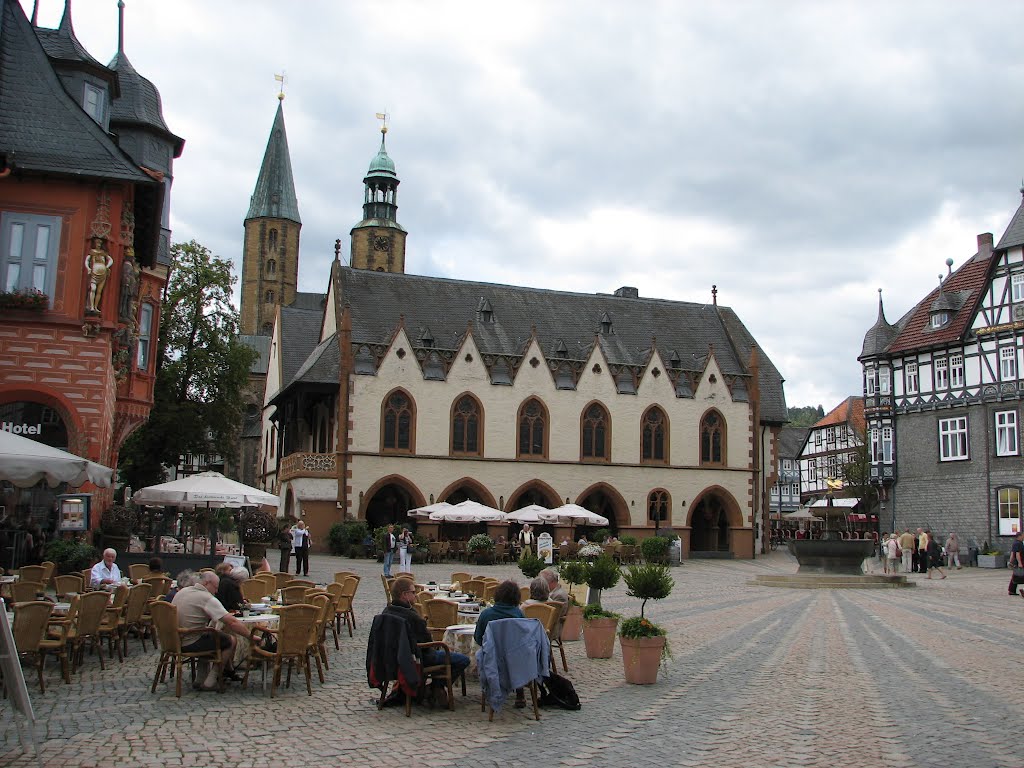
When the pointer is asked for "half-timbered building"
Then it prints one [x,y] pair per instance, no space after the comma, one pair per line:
[942,393]
[831,443]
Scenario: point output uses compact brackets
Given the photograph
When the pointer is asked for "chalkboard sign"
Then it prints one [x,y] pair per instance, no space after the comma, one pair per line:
[14,678]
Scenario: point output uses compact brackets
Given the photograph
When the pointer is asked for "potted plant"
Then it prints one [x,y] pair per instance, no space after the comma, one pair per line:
[993,558]
[601,574]
[71,556]
[599,631]
[589,551]
[258,530]
[481,548]
[31,300]
[116,524]
[573,572]
[643,642]
[655,549]
[530,564]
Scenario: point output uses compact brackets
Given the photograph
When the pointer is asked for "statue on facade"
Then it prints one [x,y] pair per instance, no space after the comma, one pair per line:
[97,268]
[129,303]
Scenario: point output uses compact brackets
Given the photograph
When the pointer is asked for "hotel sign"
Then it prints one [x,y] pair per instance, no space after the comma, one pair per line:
[21,429]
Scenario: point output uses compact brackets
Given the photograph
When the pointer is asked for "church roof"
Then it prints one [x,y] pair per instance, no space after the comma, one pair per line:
[791,441]
[300,335]
[274,196]
[41,127]
[566,324]
[261,346]
[382,164]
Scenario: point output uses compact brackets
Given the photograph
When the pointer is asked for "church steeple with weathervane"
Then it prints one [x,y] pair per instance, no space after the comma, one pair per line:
[378,241]
[270,256]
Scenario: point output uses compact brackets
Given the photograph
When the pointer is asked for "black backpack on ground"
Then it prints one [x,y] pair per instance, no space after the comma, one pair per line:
[558,691]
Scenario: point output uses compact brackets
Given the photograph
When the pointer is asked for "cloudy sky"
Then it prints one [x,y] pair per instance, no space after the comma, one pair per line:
[798,155]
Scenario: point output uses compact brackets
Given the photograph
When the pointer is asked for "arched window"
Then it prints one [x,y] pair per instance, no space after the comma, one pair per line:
[533,432]
[595,433]
[398,423]
[268,297]
[658,506]
[654,436]
[467,427]
[268,329]
[272,240]
[712,438]
[271,266]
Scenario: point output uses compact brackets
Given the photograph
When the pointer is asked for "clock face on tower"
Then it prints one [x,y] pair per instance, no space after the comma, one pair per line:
[381,243]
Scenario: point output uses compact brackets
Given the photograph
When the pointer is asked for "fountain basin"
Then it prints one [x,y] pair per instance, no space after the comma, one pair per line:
[831,556]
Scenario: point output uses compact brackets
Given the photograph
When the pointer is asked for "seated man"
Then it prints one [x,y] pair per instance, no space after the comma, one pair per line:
[199,609]
[403,598]
[105,571]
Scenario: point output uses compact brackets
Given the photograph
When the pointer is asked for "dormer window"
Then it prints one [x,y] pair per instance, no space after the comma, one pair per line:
[939,319]
[94,102]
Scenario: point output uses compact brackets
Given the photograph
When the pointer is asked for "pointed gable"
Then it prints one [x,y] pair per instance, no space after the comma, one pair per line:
[274,195]
[850,411]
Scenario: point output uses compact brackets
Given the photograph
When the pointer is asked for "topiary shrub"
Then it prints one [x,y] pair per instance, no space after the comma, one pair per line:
[601,574]
[530,564]
[628,540]
[655,549]
[71,556]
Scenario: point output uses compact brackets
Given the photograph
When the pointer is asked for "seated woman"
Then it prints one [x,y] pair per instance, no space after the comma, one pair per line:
[539,591]
[229,591]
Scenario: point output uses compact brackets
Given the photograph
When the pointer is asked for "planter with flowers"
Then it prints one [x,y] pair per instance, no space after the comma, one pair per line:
[480,549]
[257,529]
[644,644]
[25,301]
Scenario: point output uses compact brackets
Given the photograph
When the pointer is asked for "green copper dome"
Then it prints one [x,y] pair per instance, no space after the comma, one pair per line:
[381,163]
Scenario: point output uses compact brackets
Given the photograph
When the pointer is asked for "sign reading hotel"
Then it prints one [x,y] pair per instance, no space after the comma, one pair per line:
[21,429]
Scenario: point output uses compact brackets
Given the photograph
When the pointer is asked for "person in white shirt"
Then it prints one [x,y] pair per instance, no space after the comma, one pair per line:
[105,571]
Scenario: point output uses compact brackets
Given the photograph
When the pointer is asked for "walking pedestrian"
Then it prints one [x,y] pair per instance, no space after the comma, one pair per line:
[934,553]
[390,545]
[892,554]
[953,552]
[922,551]
[405,547]
[908,548]
[1017,562]
[300,546]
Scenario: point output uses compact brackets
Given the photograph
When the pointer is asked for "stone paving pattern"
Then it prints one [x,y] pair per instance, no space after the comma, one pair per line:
[759,676]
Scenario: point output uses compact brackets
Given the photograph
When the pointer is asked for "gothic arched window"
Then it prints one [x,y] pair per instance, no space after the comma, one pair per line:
[467,426]
[712,438]
[271,266]
[398,423]
[268,297]
[654,436]
[533,433]
[272,240]
[658,506]
[595,433]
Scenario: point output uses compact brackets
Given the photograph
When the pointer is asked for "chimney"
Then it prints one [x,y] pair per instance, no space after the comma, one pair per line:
[627,292]
[984,245]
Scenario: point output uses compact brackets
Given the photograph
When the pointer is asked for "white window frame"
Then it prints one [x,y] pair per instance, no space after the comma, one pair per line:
[817,438]
[884,381]
[830,434]
[940,319]
[1008,510]
[36,240]
[94,102]
[1017,286]
[144,345]
[940,369]
[956,371]
[953,439]
[912,380]
[1008,363]
[869,381]
[1007,436]
[887,445]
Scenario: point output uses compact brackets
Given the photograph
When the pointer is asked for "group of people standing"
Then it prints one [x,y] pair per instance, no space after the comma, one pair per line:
[295,540]
[919,552]
[403,544]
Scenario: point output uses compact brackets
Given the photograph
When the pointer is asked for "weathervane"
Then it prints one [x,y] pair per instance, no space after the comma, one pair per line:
[281,79]
[383,117]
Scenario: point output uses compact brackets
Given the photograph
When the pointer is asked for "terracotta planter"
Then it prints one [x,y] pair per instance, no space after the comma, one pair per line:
[572,625]
[641,657]
[599,637]
[255,550]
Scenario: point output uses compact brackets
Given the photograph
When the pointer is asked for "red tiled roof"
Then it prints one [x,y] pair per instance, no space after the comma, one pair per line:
[850,411]
[970,278]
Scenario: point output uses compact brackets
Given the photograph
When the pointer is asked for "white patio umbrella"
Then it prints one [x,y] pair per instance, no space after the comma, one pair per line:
[210,489]
[573,514]
[468,512]
[25,462]
[529,514]
[426,511]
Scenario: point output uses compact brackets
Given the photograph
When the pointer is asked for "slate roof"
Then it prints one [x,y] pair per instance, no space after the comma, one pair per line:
[139,103]
[41,127]
[308,300]
[300,335]
[445,307]
[261,345]
[274,196]
[850,411]
[967,287]
[63,44]
[1014,234]
[880,335]
[791,441]
[321,367]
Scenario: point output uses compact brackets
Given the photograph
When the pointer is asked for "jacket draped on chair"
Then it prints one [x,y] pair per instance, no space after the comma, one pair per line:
[515,653]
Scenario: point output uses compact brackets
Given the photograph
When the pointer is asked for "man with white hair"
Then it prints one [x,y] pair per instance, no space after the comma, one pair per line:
[105,571]
[199,609]
[556,593]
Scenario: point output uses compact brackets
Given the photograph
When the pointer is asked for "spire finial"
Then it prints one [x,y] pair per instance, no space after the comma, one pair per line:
[714,295]
[383,117]
[337,250]
[35,21]
[281,79]
[120,27]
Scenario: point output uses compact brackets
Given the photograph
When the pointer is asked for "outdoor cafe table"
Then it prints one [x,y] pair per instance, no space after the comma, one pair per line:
[459,637]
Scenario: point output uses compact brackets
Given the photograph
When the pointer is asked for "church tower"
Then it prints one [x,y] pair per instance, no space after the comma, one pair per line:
[378,241]
[270,255]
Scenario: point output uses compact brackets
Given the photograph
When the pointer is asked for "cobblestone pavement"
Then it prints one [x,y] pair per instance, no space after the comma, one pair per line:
[759,677]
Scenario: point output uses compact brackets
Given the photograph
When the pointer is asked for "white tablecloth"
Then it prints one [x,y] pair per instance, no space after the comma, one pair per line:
[459,637]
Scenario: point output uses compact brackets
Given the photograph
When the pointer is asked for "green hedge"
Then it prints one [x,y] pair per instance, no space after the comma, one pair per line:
[344,538]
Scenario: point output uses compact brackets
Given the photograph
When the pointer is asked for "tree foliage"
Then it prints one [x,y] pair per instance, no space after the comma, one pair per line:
[202,369]
[805,416]
[857,479]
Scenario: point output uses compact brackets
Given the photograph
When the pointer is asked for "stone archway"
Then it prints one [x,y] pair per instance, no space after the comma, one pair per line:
[534,492]
[713,517]
[605,500]
[467,488]
[389,501]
